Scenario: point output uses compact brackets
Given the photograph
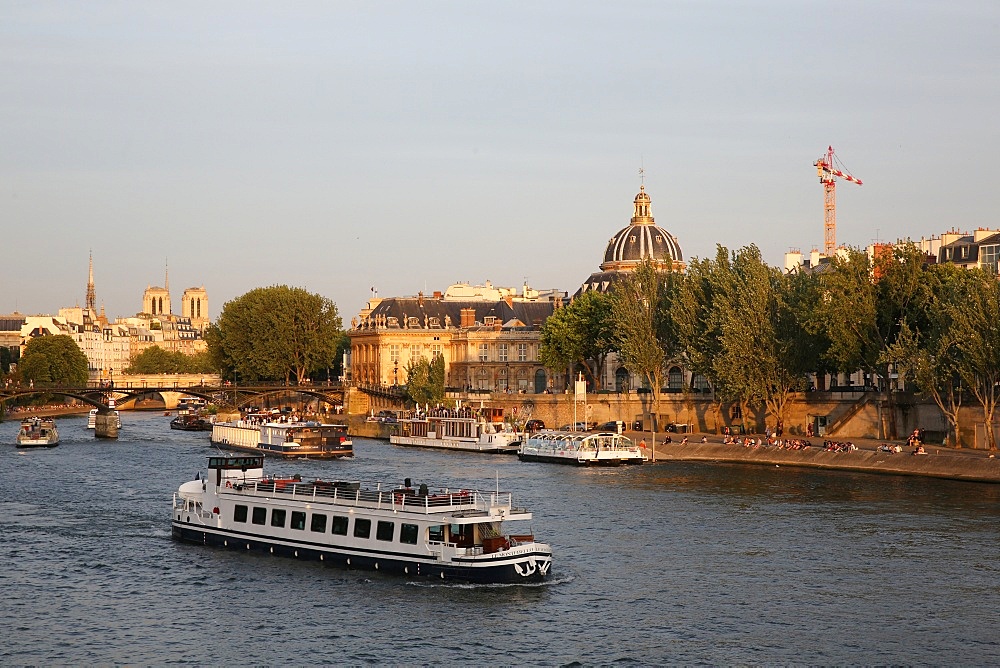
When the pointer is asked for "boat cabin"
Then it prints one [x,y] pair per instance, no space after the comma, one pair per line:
[233,468]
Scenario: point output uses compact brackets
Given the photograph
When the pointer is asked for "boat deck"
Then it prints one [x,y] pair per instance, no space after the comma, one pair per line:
[463,503]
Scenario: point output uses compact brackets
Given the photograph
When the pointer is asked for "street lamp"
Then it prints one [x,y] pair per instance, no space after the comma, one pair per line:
[506,382]
[395,373]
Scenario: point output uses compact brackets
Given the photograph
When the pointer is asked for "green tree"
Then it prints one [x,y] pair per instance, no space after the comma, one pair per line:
[54,359]
[760,355]
[425,381]
[276,333]
[930,357]
[645,335]
[155,360]
[976,316]
[579,335]
[863,307]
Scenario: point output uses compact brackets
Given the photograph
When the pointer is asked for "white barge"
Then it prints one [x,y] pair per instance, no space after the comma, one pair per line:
[480,430]
[580,448]
[258,434]
[449,534]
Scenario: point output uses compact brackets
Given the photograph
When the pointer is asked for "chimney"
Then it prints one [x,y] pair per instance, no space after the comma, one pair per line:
[468,316]
[420,298]
[437,294]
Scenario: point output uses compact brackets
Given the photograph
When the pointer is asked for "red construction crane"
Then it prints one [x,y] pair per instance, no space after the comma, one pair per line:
[828,172]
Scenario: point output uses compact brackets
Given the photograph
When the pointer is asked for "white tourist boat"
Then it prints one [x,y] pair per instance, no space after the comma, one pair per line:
[268,434]
[37,432]
[455,535]
[92,419]
[478,430]
[582,448]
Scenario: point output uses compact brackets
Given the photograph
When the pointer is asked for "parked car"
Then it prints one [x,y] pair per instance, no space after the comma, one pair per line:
[531,426]
[615,426]
[578,426]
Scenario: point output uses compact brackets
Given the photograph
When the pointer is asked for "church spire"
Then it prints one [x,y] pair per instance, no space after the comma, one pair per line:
[91,292]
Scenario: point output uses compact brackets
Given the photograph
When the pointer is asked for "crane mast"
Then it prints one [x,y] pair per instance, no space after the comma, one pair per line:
[828,175]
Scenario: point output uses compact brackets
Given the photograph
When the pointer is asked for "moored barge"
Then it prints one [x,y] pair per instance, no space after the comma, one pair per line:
[454,535]
[258,434]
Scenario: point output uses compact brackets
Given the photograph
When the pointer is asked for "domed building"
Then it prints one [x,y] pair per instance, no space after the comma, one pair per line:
[631,245]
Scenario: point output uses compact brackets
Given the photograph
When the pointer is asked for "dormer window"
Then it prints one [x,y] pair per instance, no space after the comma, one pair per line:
[413,322]
[392,321]
[489,320]
[435,323]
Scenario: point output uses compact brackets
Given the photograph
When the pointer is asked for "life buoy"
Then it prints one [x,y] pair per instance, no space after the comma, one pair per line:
[229,484]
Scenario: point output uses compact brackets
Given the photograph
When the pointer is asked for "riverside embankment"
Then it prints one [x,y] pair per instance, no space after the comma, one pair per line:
[970,465]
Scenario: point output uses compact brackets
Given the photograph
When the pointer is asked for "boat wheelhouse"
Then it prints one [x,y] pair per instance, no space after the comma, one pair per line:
[580,448]
[257,433]
[451,534]
[36,432]
[478,430]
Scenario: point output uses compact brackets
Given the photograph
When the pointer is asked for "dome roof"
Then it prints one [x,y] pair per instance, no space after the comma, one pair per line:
[641,239]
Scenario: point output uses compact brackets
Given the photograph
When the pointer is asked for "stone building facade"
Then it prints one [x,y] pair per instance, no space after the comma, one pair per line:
[488,337]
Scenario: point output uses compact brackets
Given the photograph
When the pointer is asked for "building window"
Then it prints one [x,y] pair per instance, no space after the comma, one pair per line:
[278,517]
[240,514]
[384,530]
[436,350]
[502,352]
[259,516]
[394,349]
[522,352]
[675,380]
[339,525]
[484,352]
[298,520]
[989,256]
[408,534]
[362,528]
[318,523]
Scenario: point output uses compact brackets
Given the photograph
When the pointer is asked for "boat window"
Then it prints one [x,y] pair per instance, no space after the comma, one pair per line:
[259,515]
[384,530]
[240,514]
[340,525]
[318,523]
[408,534]
[436,533]
[278,517]
[462,534]
[298,520]
[362,528]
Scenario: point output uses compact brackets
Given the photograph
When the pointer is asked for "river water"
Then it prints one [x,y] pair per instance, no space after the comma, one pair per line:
[661,564]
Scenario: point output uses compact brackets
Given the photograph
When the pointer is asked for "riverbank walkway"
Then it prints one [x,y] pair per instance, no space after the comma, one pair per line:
[939,461]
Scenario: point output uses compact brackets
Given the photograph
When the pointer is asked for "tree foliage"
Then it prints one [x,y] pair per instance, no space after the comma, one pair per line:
[579,335]
[425,381]
[54,359]
[155,359]
[276,333]
[759,353]
[646,338]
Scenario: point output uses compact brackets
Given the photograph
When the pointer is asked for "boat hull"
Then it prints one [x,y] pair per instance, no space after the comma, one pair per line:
[525,569]
[454,444]
[37,443]
[574,461]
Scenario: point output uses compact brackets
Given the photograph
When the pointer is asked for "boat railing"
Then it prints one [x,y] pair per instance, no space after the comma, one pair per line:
[399,499]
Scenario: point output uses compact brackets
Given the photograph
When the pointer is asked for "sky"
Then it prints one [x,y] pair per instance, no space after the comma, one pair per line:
[342,146]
